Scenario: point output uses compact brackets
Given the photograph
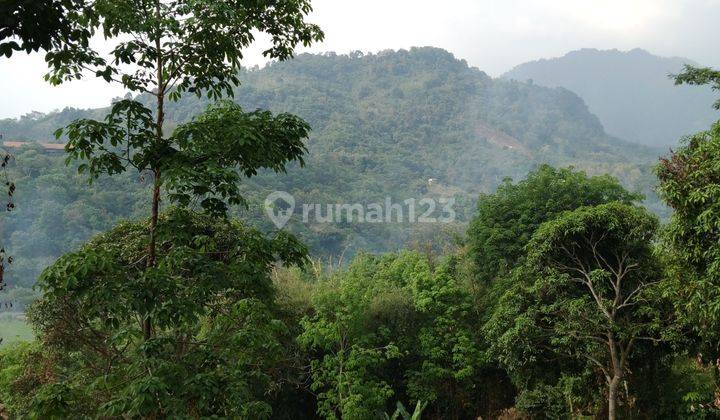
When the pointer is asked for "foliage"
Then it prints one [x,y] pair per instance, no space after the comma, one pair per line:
[179,315]
[169,48]
[689,183]
[585,300]
[204,158]
[216,339]
[236,335]
[38,24]
[393,327]
[17,378]
[401,412]
[507,219]
[165,49]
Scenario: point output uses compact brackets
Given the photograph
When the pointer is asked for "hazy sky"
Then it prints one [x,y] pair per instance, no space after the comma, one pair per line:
[493,35]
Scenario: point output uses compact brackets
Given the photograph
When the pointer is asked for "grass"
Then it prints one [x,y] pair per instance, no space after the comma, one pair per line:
[13,328]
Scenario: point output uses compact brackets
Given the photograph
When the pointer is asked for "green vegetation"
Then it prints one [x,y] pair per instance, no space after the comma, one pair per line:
[585,295]
[560,296]
[584,314]
[35,25]
[366,144]
[689,183]
[507,219]
[215,333]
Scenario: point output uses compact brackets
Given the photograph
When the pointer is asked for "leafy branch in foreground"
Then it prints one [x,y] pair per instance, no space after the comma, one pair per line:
[699,76]
[205,158]
[31,25]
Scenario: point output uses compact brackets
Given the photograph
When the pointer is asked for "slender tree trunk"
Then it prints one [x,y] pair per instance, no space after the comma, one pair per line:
[160,109]
[152,259]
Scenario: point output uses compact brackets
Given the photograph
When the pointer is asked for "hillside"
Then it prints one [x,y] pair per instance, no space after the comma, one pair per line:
[383,125]
[630,92]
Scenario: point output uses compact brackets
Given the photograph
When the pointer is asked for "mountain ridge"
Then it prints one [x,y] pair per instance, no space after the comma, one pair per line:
[630,91]
[383,125]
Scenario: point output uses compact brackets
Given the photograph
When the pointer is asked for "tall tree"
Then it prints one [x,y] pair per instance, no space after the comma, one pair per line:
[690,184]
[585,292]
[165,48]
[31,25]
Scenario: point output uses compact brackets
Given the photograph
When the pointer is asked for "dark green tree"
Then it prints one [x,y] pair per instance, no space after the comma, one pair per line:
[507,219]
[584,300]
[167,48]
[218,346]
[690,185]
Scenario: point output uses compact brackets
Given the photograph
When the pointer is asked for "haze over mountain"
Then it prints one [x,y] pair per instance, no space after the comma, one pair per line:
[631,92]
[383,124]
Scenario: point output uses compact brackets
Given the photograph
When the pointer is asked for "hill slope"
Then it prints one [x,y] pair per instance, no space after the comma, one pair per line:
[383,125]
[630,92]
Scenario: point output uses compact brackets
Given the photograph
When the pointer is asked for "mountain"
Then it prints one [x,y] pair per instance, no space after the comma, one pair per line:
[399,124]
[631,92]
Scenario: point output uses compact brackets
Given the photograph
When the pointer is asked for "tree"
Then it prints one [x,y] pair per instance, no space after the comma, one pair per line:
[690,185]
[392,328]
[218,347]
[587,293]
[507,219]
[165,49]
[36,24]
[9,206]
[449,347]
[348,349]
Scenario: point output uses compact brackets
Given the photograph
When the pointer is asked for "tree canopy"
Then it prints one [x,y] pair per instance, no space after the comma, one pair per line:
[508,218]
[217,332]
[582,302]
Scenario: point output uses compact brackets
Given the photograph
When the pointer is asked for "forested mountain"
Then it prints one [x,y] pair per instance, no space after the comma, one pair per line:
[631,92]
[383,125]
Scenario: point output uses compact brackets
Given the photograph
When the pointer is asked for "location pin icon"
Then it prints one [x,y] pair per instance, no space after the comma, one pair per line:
[279,215]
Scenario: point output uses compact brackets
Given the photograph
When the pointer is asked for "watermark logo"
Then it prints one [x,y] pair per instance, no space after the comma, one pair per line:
[280,207]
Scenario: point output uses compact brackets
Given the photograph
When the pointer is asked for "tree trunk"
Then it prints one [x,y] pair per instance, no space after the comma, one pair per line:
[612,398]
[151,261]
[160,108]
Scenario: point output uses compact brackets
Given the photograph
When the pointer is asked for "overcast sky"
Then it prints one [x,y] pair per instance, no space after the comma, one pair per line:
[493,35]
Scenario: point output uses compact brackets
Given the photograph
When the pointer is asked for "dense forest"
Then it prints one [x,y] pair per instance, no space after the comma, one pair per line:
[566,287]
[382,126]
